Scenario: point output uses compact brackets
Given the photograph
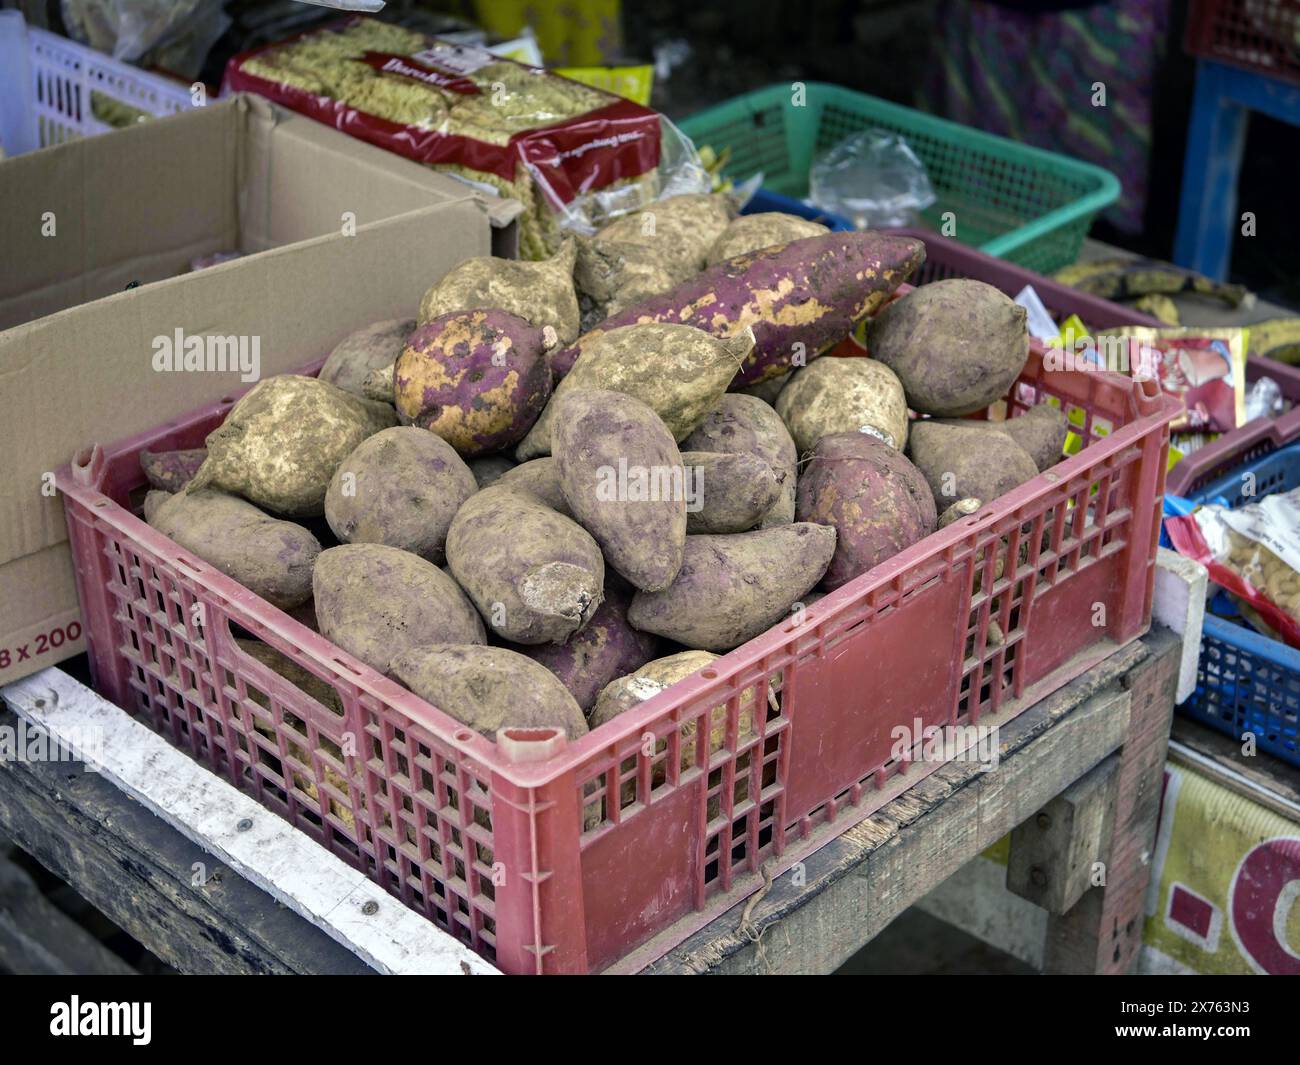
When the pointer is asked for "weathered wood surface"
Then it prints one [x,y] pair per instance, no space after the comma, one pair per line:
[854,886]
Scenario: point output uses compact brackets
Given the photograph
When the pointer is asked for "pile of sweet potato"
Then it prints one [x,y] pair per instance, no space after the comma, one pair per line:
[531,526]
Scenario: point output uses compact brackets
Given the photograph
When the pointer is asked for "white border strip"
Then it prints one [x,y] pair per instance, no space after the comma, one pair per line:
[283,862]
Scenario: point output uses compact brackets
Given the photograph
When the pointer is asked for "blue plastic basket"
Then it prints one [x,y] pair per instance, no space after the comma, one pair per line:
[1246,682]
[767,200]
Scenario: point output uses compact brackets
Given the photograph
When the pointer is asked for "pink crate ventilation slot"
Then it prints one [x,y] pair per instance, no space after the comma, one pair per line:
[548,856]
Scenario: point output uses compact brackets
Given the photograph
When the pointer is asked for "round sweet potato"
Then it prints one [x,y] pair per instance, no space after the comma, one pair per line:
[956,345]
[400,487]
[489,688]
[541,293]
[374,347]
[733,588]
[844,396]
[745,425]
[750,232]
[478,379]
[542,478]
[622,476]
[877,502]
[269,557]
[535,575]
[377,602]
[1041,431]
[606,648]
[964,463]
[280,445]
[677,233]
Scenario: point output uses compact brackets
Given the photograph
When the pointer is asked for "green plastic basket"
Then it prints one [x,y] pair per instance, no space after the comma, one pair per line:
[1027,205]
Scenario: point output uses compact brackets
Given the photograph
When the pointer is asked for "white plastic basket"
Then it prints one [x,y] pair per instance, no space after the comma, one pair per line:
[47,89]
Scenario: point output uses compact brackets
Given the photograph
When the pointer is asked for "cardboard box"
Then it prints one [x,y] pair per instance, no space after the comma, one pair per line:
[336,234]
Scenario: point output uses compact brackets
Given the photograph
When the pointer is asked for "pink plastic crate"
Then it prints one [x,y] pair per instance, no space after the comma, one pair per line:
[550,856]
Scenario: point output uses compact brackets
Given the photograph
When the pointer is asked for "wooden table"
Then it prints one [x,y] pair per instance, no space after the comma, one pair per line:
[1079,773]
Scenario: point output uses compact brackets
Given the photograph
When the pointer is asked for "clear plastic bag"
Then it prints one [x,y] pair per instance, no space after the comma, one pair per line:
[173,34]
[1264,400]
[872,178]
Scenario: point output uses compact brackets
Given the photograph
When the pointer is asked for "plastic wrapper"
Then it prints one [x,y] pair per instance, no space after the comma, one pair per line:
[172,34]
[1253,552]
[872,177]
[568,152]
[1264,400]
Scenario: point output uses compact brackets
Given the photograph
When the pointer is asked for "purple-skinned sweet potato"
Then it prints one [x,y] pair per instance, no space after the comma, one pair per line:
[542,478]
[731,493]
[622,476]
[733,588]
[608,647]
[800,298]
[170,471]
[478,379]
[877,502]
[745,425]
[373,347]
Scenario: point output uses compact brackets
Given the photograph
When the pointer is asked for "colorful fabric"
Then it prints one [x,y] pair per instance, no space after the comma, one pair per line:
[1034,77]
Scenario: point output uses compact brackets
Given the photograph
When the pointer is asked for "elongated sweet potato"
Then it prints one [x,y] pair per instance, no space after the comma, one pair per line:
[745,425]
[400,487]
[732,492]
[280,445]
[636,686]
[800,298]
[489,688]
[541,293]
[1040,430]
[478,379]
[622,476]
[377,602]
[269,557]
[535,575]
[171,471]
[877,502]
[733,588]
[606,648]
[844,396]
[680,372]
[372,348]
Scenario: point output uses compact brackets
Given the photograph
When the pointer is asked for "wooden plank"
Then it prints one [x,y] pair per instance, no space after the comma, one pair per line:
[1178,603]
[1102,933]
[38,939]
[274,865]
[1054,854]
[815,917]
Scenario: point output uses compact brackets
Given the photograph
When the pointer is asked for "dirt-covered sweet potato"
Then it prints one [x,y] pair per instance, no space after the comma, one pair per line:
[154,499]
[611,276]
[377,602]
[877,502]
[171,471]
[280,445]
[607,648]
[1041,431]
[489,688]
[535,575]
[300,678]
[541,293]
[622,476]
[844,396]
[753,232]
[963,508]
[768,390]
[636,686]
[731,493]
[799,298]
[478,379]
[960,463]
[542,478]
[371,348]
[956,345]
[678,371]
[675,233]
[745,425]
[269,557]
[400,487]
[733,588]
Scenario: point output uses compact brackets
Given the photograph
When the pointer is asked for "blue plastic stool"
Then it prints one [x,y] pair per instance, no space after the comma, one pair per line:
[1208,218]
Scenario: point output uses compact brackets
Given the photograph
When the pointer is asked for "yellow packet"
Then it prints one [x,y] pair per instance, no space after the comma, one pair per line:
[634,83]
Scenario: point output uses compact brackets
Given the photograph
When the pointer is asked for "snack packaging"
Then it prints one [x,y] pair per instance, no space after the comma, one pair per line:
[573,155]
[1253,552]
